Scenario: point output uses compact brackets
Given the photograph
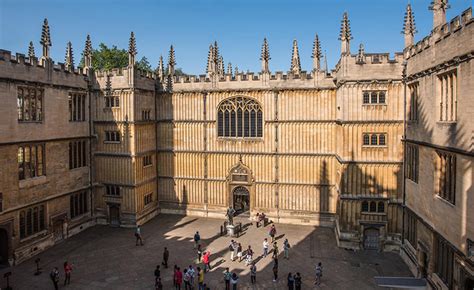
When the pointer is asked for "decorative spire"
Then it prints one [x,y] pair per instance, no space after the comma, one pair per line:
[265,56]
[210,69]
[108,86]
[295,59]
[216,54]
[439,8]
[229,69]
[132,49]
[31,51]
[345,35]
[361,55]
[409,28]
[161,69]
[221,66]
[88,52]
[69,60]
[236,70]
[317,54]
[45,39]
[326,63]
[171,61]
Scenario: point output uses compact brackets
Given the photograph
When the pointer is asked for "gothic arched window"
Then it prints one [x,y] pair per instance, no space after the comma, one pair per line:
[365,206]
[239,117]
[381,207]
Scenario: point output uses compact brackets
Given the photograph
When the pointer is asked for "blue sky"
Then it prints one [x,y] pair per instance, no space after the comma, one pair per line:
[239,26]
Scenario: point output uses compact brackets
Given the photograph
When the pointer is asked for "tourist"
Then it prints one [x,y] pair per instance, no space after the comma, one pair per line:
[166,255]
[199,253]
[138,236]
[297,281]
[275,250]
[253,273]
[262,219]
[286,248]
[157,272]
[54,275]
[158,284]
[232,249]
[186,278]
[206,261]
[178,278]
[265,247]
[200,279]
[248,260]
[67,273]
[192,274]
[239,252]
[234,280]
[319,273]
[197,238]
[175,270]
[227,277]
[275,269]
[272,232]
[291,282]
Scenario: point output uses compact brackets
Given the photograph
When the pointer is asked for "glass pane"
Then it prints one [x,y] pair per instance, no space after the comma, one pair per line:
[253,121]
[259,124]
[381,97]
[20,104]
[246,124]
[220,124]
[366,98]
[373,139]
[381,139]
[39,106]
[373,206]
[239,123]
[226,124]
[373,97]
[366,139]
[232,124]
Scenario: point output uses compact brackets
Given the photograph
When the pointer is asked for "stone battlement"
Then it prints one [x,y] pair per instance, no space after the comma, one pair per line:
[442,32]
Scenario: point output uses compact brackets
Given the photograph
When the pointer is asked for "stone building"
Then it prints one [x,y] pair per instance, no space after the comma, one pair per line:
[439,214]
[318,148]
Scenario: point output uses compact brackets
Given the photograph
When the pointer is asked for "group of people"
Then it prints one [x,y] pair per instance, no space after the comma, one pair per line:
[54,275]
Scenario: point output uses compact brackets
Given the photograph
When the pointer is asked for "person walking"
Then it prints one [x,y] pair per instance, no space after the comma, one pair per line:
[199,253]
[272,232]
[275,250]
[265,247]
[186,278]
[200,278]
[227,277]
[257,220]
[158,284]
[291,282]
[239,252]
[175,270]
[138,236]
[192,274]
[297,281]
[157,272]
[166,255]
[197,238]
[253,273]
[179,278]
[286,248]
[232,249]
[275,269]
[54,275]
[67,273]
[234,281]
[248,260]
[319,273]
[206,261]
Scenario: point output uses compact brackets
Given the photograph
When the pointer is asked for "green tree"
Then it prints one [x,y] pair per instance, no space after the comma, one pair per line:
[177,72]
[144,64]
[107,58]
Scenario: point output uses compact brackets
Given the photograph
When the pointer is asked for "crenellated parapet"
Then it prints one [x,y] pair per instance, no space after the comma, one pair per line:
[452,29]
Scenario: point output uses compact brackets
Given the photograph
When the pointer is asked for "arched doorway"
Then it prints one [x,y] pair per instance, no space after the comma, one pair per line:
[371,239]
[114,215]
[3,247]
[241,199]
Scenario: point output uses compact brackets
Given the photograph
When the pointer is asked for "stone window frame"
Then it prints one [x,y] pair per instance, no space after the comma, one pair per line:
[374,97]
[36,164]
[111,101]
[112,136]
[372,207]
[77,154]
[413,112]
[113,190]
[446,176]
[231,110]
[77,107]
[33,98]
[412,162]
[447,95]
[148,198]
[32,221]
[78,204]
[147,160]
[374,139]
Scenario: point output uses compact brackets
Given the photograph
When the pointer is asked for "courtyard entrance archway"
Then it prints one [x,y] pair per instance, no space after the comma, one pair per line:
[371,239]
[241,198]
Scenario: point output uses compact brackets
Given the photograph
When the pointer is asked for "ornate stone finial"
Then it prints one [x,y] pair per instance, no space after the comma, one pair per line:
[345,35]
[88,52]
[265,56]
[69,59]
[221,70]
[216,54]
[317,54]
[361,55]
[45,39]
[161,69]
[295,59]
[409,28]
[108,86]
[326,63]
[439,8]
[132,49]
[31,51]
[171,61]
[210,69]
[229,69]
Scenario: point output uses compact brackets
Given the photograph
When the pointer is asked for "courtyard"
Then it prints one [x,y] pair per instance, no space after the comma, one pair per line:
[105,257]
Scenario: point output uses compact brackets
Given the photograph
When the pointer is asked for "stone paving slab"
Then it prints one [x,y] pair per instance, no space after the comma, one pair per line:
[107,258]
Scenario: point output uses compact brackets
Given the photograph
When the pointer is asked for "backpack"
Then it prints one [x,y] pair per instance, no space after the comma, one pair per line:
[231,248]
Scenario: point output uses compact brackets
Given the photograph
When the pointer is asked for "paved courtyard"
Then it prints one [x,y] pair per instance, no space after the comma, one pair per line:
[107,258]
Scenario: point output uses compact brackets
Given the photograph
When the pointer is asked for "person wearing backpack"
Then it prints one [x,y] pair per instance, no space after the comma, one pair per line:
[272,232]
[286,248]
[54,275]
[232,249]
[253,273]
[197,238]
[227,277]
